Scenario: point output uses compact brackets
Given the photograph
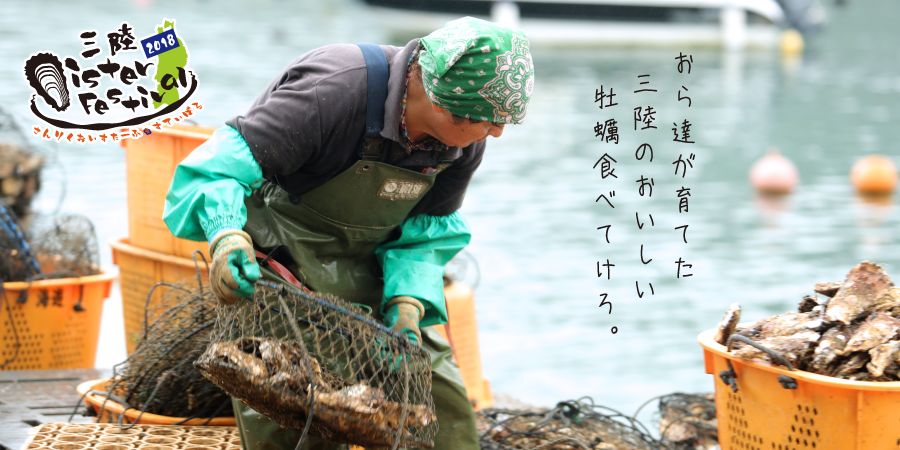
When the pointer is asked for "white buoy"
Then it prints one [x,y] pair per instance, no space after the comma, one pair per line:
[774,174]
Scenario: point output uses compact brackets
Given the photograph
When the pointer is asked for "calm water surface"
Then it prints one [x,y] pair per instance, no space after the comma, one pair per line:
[531,205]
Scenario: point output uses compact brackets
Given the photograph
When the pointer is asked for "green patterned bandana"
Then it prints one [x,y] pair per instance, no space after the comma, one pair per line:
[479,70]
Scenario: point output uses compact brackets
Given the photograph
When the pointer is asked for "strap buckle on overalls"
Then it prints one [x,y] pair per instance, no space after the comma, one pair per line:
[371,144]
[372,149]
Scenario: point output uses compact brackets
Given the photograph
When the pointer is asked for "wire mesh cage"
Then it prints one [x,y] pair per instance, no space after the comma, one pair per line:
[159,377]
[65,244]
[570,425]
[316,362]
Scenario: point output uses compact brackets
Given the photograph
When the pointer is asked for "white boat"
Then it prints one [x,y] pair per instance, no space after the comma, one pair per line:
[733,24]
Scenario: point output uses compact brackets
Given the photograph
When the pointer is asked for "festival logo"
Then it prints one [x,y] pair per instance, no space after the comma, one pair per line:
[117,88]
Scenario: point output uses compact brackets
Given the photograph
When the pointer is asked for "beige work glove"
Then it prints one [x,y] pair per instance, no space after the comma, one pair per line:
[234,269]
[403,316]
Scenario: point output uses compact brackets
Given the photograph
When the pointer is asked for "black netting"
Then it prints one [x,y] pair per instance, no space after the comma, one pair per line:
[159,377]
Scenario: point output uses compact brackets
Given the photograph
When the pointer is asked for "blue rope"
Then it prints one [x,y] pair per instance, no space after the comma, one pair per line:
[9,226]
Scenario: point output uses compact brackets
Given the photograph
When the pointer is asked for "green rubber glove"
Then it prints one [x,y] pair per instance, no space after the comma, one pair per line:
[234,270]
[403,315]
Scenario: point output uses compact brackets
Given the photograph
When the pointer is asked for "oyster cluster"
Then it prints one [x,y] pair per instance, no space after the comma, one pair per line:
[846,330]
[20,176]
[275,377]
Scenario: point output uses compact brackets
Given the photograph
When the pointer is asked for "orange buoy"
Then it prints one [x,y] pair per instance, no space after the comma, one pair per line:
[874,174]
[774,174]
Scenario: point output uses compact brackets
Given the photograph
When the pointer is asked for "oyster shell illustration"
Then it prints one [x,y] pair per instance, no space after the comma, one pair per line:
[44,73]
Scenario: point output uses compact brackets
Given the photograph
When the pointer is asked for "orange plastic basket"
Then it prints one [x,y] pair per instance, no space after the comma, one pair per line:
[464,335]
[139,270]
[822,413]
[150,164]
[112,410]
[43,330]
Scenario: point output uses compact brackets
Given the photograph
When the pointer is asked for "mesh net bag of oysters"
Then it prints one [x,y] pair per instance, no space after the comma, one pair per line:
[848,329]
[295,355]
[68,436]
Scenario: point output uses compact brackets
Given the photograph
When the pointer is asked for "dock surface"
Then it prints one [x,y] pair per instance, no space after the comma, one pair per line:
[29,398]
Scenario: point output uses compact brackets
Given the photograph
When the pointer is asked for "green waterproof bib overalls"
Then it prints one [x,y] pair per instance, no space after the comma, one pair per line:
[332,233]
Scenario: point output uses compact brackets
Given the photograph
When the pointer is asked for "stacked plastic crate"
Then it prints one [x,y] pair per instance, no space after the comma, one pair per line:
[151,254]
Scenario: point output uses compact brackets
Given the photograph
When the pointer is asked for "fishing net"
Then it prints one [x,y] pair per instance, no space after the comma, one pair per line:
[571,425]
[318,363]
[17,262]
[688,421]
[65,244]
[159,377]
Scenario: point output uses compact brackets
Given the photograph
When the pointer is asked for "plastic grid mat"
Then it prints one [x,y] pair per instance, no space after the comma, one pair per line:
[68,436]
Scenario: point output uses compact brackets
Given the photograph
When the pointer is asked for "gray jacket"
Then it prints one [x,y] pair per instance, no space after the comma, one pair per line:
[304,128]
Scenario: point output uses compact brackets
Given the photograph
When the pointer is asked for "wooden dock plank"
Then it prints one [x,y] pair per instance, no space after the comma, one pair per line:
[32,397]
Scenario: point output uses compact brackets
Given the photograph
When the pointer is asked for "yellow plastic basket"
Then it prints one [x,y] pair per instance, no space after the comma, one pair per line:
[150,164]
[44,329]
[822,413]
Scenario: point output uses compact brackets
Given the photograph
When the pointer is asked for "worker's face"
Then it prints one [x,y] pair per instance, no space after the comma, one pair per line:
[464,133]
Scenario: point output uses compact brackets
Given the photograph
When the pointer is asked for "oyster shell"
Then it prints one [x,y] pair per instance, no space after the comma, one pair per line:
[892,370]
[877,329]
[788,324]
[793,347]
[828,289]
[728,323]
[863,290]
[882,356]
[360,403]
[808,303]
[831,346]
[849,366]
